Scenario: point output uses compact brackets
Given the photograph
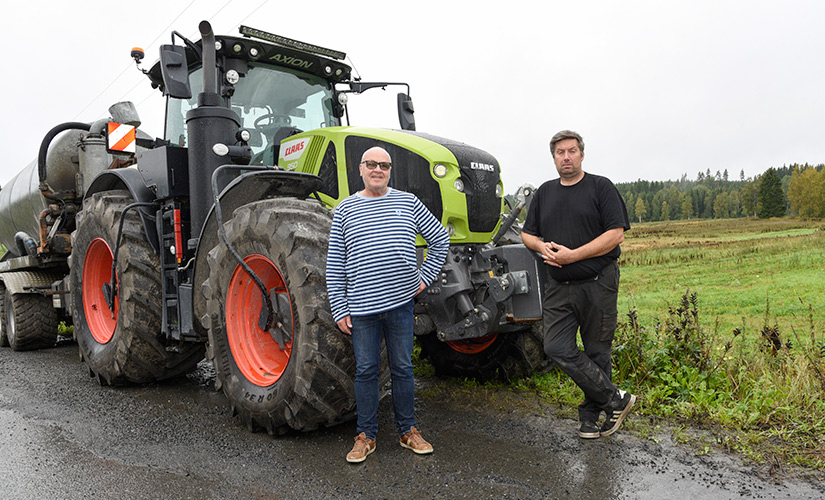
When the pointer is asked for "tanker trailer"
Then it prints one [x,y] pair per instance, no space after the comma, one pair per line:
[37,216]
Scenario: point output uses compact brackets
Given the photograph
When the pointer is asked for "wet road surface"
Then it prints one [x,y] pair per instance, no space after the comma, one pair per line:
[64,437]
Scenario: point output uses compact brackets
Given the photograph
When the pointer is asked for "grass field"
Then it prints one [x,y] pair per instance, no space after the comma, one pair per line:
[722,327]
[737,267]
[721,330]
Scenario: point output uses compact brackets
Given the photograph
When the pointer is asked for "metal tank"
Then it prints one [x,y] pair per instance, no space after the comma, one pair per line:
[71,155]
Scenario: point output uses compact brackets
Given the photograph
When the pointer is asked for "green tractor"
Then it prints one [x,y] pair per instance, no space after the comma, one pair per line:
[216,235]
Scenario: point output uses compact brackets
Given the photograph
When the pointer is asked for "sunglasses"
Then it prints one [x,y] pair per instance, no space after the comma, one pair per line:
[371,165]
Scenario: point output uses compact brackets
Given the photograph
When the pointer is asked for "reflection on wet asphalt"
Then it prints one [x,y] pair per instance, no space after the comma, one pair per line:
[63,436]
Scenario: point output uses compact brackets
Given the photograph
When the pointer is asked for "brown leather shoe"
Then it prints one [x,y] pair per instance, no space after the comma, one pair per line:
[413,441]
[362,448]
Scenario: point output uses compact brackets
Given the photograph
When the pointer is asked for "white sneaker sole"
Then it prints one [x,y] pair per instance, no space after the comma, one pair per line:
[621,417]
[359,460]
[417,452]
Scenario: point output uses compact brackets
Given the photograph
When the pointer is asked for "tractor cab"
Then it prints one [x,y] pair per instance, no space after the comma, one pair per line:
[271,102]
[275,86]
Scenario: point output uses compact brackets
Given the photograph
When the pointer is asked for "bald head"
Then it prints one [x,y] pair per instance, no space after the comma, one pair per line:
[375,171]
[375,153]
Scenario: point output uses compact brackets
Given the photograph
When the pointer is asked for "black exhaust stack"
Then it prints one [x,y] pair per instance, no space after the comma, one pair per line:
[208,124]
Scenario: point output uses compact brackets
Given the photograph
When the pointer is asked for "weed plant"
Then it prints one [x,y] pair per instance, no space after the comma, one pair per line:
[742,351]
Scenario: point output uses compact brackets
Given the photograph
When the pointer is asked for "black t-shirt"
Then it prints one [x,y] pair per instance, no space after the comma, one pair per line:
[575,215]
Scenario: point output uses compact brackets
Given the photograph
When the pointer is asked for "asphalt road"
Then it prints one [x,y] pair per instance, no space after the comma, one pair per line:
[64,437]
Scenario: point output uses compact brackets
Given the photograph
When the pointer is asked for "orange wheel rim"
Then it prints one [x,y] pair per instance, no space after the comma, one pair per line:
[97,271]
[472,346]
[256,353]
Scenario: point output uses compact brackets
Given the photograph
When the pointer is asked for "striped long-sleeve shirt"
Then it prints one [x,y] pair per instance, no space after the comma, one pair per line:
[371,262]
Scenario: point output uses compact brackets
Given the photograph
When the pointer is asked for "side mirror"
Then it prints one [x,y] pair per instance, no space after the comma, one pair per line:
[175,71]
[405,112]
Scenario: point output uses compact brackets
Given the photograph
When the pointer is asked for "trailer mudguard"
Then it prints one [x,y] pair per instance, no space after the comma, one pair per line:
[130,180]
[30,281]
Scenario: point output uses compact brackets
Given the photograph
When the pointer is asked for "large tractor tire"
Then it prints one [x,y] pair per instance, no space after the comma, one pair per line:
[309,382]
[28,321]
[502,356]
[124,346]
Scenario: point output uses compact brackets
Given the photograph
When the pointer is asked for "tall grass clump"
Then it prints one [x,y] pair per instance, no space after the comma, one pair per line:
[767,385]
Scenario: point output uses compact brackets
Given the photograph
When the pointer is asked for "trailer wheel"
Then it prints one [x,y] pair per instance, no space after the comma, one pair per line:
[124,345]
[310,381]
[4,340]
[505,356]
[29,321]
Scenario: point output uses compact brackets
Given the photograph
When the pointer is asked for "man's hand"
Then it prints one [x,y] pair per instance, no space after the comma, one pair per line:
[558,255]
[421,288]
[345,325]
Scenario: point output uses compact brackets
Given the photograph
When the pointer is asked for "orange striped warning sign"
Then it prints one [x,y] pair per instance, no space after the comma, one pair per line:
[121,137]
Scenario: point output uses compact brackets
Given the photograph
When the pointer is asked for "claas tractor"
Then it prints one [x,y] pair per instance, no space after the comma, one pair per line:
[211,240]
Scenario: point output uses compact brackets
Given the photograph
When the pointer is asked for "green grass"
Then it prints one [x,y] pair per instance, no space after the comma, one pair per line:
[723,329]
[737,267]
[722,332]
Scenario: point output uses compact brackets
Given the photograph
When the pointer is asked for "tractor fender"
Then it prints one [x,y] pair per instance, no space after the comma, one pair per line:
[252,186]
[130,180]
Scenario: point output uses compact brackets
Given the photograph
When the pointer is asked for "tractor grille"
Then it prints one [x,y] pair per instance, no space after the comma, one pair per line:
[315,147]
[410,171]
[480,173]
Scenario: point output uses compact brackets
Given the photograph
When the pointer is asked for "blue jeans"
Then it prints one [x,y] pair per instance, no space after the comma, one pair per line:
[396,328]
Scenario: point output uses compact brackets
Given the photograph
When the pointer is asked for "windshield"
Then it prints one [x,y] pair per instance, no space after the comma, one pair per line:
[266,99]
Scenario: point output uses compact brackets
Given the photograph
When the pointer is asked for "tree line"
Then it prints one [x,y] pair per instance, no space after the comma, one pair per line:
[796,190]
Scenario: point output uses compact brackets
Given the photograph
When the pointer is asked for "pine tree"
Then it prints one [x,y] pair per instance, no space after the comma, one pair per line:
[771,198]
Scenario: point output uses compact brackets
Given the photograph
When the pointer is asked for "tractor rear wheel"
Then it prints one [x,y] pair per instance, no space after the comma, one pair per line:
[29,321]
[505,356]
[122,344]
[303,379]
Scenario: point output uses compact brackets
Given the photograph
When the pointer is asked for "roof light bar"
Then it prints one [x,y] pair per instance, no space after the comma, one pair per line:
[288,42]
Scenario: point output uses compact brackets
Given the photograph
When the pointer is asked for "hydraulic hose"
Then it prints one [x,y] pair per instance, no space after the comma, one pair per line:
[272,318]
[44,146]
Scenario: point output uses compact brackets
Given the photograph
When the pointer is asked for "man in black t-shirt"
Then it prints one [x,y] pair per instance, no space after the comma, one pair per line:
[576,223]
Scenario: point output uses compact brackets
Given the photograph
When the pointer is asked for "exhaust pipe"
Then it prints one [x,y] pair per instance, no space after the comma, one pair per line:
[208,124]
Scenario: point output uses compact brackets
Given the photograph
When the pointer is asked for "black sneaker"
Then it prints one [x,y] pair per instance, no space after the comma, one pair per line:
[616,416]
[589,430]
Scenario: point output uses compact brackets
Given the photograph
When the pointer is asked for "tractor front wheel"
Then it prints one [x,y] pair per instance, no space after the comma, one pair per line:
[299,376]
[503,356]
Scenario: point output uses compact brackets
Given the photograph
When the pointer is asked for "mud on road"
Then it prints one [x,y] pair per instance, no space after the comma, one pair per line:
[63,436]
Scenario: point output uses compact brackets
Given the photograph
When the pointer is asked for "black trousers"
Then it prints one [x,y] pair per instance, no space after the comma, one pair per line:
[587,306]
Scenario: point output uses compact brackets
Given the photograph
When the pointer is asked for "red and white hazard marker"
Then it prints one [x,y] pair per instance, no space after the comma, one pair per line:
[121,137]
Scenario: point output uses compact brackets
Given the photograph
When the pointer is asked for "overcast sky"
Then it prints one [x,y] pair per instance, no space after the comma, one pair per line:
[658,89]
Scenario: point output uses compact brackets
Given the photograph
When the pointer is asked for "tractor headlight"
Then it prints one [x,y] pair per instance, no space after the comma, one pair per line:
[459,185]
[440,170]
[450,229]
[232,77]
[499,190]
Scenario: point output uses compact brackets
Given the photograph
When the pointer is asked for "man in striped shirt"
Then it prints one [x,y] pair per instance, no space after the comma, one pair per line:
[372,277]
